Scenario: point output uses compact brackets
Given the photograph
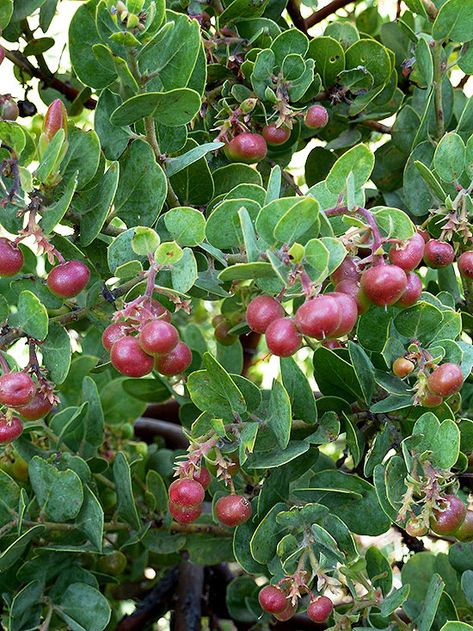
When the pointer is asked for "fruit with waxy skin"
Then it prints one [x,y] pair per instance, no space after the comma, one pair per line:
[113,333]
[222,334]
[175,362]
[68,279]
[465,530]
[11,258]
[10,430]
[261,311]
[353,289]
[410,255]
[412,292]
[445,380]
[316,117]
[347,270]
[349,313]
[158,337]
[203,477]
[430,400]
[275,136]
[449,517]
[438,254]
[8,108]
[26,108]
[153,309]
[320,609]
[16,388]
[416,528]
[37,408]
[319,317]
[272,599]
[402,367]
[129,358]
[332,344]
[465,264]
[282,337]
[186,492]
[247,148]
[113,564]
[233,510]
[185,514]
[384,284]
[287,614]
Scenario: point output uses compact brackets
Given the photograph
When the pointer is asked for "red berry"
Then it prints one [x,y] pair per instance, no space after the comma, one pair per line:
[186,492]
[445,380]
[37,408]
[349,313]
[68,279]
[222,334]
[465,531]
[272,599]
[233,510]
[409,256]
[424,234]
[288,613]
[316,117]
[261,311]
[275,136]
[449,517]
[402,367]
[319,318]
[353,289]
[16,388]
[113,333]
[247,148]
[175,362]
[153,309]
[465,264]
[412,291]
[438,254]
[282,337]
[11,258]
[10,430]
[185,514]
[332,344]
[416,528]
[347,270]
[384,284]
[158,337]
[203,477]
[430,400]
[130,359]
[320,609]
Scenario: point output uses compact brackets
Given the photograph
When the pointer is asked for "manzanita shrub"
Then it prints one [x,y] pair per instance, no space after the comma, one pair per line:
[221,376]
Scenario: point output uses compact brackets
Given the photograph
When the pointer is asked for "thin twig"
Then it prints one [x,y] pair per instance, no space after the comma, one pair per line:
[324,12]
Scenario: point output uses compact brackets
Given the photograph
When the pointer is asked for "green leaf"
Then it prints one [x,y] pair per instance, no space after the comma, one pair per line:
[126,503]
[317,256]
[298,388]
[454,21]
[279,417]
[59,493]
[145,241]
[9,499]
[186,225]
[393,223]
[266,536]
[456,626]
[274,457]
[300,218]
[329,58]
[173,108]
[82,156]
[84,608]
[50,158]
[184,273]
[394,600]
[174,165]
[15,550]
[52,215]
[364,369]
[247,441]
[25,610]
[113,140]
[379,569]
[90,519]
[56,352]
[6,11]
[32,316]
[467,585]
[242,9]
[449,157]
[98,201]
[431,603]
[168,253]
[419,321]
[223,228]
[247,271]
[358,160]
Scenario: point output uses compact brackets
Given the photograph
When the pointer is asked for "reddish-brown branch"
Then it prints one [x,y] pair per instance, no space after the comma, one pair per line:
[295,14]
[188,610]
[377,126]
[324,12]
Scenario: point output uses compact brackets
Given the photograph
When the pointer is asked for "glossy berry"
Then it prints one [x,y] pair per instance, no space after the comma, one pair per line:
[465,531]
[68,279]
[445,380]
[412,291]
[153,309]
[319,318]
[275,136]
[113,564]
[415,527]
[402,367]
[282,337]
[320,609]
[26,108]
[185,514]
[450,516]
[186,492]
[130,359]
[158,337]
[384,284]
[10,430]
[16,388]
[175,362]
[233,510]
[438,254]
[465,264]
[316,117]
[409,256]
[349,313]
[113,333]
[203,477]
[222,334]
[347,270]
[287,614]
[11,258]
[247,148]
[430,400]
[37,408]
[353,289]
[272,599]
[261,311]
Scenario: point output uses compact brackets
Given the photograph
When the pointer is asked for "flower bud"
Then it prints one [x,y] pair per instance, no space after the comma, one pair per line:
[248,105]
[55,119]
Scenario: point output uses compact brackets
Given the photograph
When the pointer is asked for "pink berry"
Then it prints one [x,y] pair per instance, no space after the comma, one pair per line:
[410,255]
[158,337]
[176,361]
[384,284]
[16,388]
[11,258]
[319,318]
[438,254]
[316,117]
[272,599]
[186,492]
[113,333]
[412,291]
[282,337]
[233,510]
[10,430]
[261,311]
[130,359]
[320,609]
[68,279]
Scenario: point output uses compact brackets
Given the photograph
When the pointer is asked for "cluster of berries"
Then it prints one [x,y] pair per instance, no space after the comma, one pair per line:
[276,601]
[186,496]
[443,381]
[451,518]
[143,338]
